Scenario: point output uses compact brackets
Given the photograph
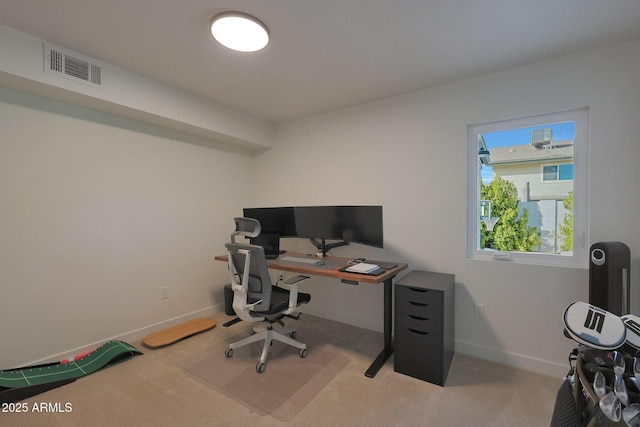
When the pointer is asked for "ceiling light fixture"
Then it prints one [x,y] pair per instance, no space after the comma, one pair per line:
[239,31]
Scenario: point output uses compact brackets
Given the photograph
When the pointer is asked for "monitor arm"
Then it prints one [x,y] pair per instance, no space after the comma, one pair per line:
[322,245]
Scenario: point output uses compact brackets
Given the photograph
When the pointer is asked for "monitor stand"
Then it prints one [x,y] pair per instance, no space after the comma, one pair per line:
[322,245]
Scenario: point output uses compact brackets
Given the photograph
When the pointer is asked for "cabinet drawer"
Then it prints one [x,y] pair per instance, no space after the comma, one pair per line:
[419,355]
[419,309]
[423,296]
[418,324]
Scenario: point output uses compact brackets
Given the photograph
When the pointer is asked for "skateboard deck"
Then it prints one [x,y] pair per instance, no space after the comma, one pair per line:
[178,332]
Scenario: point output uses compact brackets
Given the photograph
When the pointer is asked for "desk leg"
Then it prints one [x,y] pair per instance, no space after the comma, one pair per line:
[387,351]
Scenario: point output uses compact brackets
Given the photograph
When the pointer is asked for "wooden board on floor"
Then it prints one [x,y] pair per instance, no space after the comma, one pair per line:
[178,332]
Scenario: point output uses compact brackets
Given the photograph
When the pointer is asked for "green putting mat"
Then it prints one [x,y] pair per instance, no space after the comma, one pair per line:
[108,354]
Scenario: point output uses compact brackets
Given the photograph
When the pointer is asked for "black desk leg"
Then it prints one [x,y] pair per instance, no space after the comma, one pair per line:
[387,351]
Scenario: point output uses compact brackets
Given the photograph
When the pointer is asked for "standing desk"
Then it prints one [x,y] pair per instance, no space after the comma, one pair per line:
[331,269]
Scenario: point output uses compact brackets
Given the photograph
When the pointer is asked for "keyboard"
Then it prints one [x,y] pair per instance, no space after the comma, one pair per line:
[304,260]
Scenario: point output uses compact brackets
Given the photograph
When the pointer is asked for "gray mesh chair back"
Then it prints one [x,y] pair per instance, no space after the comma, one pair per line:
[259,281]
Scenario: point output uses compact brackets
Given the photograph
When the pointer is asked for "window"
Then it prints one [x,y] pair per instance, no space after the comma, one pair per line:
[527,189]
[557,172]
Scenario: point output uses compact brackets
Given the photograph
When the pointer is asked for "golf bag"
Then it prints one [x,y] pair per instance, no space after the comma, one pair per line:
[602,387]
[577,404]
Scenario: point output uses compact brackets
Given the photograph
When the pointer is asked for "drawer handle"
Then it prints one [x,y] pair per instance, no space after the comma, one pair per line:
[419,304]
[422,291]
[418,332]
[422,319]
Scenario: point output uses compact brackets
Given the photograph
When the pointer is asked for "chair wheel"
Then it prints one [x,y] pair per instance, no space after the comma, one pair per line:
[303,353]
[228,352]
[260,367]
[293,334]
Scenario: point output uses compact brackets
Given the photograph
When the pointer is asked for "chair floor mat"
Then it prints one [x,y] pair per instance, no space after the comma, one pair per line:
[288,383]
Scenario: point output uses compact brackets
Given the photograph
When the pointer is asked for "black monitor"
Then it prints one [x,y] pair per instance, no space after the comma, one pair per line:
[357,224]
[344,224]
[274,220]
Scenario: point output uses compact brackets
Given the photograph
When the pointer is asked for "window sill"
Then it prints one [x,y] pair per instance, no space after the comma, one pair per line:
[531,258]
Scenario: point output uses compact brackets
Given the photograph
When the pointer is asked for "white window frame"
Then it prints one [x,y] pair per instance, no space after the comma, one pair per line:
[579,258]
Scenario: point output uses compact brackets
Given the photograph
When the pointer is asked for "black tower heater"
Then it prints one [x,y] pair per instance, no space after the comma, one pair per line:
[609,288]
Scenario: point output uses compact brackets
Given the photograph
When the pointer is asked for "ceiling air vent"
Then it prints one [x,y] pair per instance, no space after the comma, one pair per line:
[76,67]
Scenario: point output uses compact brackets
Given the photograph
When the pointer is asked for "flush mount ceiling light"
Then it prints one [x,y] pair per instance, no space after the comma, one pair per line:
[239,31]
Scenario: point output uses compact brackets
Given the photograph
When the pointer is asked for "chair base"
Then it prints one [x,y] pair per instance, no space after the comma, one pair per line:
[284,335]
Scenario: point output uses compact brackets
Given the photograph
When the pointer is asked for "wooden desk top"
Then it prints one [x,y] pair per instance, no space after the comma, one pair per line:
[331,268]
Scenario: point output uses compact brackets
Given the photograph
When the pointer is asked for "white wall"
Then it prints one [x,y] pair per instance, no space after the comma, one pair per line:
[408,153]
[97,214]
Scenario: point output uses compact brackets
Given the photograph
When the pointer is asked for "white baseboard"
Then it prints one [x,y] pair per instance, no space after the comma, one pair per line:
[138,334]
[539,366]
[520,361]
[131,336]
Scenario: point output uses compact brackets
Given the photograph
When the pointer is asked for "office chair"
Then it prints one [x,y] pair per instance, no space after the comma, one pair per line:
[255,299]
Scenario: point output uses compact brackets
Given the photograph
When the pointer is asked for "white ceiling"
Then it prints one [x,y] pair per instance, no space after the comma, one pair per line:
[324,54]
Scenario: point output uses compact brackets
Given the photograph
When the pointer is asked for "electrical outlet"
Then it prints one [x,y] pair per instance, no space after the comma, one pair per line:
[164,292]
[478,310]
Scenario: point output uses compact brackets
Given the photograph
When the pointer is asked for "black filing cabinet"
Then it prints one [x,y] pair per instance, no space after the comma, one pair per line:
[423,334]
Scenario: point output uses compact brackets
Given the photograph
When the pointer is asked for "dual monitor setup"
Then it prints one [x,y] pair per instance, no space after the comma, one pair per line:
[340,224]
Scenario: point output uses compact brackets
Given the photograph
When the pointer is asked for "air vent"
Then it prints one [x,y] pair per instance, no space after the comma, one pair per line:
[71,65]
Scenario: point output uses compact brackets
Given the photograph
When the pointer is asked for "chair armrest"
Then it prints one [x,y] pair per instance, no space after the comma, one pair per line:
[293,284]
[296,279]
